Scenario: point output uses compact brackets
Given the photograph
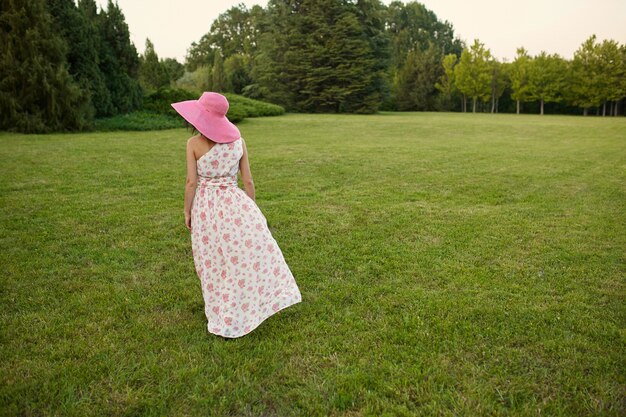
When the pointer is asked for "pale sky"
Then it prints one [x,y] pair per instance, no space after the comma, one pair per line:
[556,26]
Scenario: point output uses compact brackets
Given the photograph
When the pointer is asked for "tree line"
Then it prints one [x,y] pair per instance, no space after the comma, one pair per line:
[594,78]
[64,63]
[321,55]
[363,56]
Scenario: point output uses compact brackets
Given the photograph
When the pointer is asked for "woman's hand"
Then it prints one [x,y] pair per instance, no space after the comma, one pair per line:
[188,221]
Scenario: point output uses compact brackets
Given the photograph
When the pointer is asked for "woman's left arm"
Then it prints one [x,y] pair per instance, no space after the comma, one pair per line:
[190,184]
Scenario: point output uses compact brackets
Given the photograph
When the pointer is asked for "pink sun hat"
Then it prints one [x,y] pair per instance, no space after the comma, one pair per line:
[208,115]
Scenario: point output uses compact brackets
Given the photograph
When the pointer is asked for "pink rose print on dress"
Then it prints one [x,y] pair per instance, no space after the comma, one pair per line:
[238,262]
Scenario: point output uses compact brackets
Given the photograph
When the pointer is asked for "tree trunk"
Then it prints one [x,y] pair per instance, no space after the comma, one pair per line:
[542,107]
[585,111]
[497,104]
[604,108]
[463,104]
[517,106]
[473,104]
[615,108]
[493,102]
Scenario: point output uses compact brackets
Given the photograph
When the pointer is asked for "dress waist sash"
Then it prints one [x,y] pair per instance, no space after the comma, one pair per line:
[217,182]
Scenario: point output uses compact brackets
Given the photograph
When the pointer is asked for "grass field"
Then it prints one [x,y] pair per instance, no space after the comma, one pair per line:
[449,264]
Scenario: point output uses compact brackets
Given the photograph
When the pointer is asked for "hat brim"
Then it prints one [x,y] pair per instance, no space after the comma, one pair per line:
[214,126]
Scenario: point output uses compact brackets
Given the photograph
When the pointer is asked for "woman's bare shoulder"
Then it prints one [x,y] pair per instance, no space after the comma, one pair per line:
[193,140]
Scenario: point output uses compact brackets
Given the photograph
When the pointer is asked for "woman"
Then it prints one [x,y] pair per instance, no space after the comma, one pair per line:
[243,274]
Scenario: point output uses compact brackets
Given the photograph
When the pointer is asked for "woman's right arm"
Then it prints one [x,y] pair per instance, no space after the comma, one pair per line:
[190,183]
[246,175]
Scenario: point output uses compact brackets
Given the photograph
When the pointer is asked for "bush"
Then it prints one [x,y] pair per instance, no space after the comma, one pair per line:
[254,108]
[158,113]
[236,113]
[160,101]
[140,120]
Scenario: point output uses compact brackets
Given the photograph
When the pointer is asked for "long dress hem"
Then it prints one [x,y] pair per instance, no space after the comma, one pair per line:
[270,313]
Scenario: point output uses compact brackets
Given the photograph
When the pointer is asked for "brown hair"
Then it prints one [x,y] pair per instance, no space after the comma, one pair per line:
[188,125]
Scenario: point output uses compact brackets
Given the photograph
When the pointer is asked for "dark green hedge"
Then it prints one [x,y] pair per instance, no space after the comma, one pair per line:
[139,120]
[254,108]
[240,107]
[158,113]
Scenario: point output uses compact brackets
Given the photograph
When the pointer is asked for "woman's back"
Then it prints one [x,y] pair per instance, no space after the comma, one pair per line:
[222,160]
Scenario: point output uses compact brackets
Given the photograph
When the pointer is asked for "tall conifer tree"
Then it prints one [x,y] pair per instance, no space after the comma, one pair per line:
[37,93]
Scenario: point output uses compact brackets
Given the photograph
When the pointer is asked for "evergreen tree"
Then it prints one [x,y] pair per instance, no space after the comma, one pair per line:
[152,73]
[317,56]
[236,68]
[173,68]
[218,79]
[119,61]
[82,56]
[89,59]
[37,93]
[415,87]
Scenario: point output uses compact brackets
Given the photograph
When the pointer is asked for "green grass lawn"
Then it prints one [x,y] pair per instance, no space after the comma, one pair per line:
[449,264]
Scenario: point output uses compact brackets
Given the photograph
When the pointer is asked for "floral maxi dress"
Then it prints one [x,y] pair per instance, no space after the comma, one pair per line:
[243,274]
